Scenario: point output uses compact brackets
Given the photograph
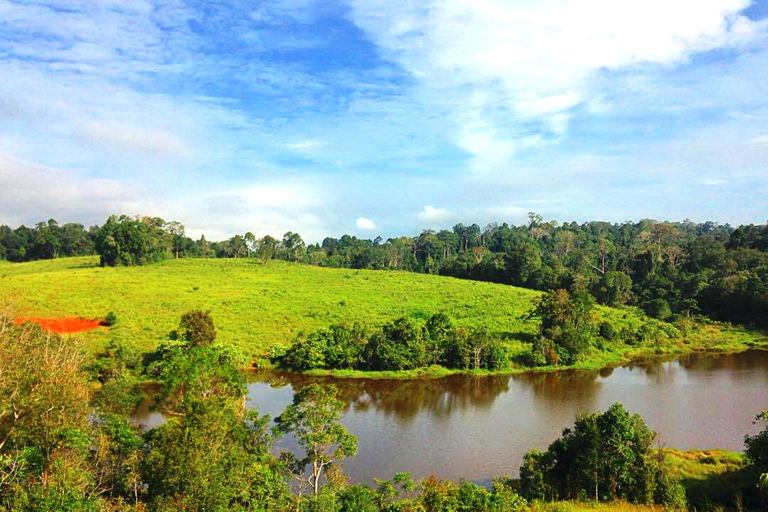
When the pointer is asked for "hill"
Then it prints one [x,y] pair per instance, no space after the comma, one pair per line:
[256,306]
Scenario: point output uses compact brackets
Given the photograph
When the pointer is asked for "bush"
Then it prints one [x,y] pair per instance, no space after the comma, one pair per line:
[110,319]
[607,331]
[197,327]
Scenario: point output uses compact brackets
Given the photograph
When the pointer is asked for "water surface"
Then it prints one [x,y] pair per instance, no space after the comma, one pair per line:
[480,427]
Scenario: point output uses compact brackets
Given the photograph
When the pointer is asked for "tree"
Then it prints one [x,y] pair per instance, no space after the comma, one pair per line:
[131,241]
[566,321]
[176,231]
[197,327]
[614,288]
[313,418]
[293,246]
[757,448]
[250,239]
[267,247]
[237,246]
[45,462]
[212,453]
[607,456]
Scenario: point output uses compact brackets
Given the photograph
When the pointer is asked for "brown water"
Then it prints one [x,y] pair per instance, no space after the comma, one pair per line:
[479,427]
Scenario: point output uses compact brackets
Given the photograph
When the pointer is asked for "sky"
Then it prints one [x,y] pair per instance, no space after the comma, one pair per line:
[382,118]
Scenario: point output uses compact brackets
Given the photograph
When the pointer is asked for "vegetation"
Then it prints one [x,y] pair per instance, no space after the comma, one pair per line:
[313,419]
[605,457]
[403,344]
[670,270]
[261,309]
[61,450]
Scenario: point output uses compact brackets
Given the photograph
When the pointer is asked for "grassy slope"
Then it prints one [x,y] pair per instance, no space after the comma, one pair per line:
[709,476]
[256,306]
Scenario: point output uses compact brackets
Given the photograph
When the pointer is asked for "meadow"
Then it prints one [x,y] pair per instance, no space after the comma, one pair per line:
[257,306]
[254,306]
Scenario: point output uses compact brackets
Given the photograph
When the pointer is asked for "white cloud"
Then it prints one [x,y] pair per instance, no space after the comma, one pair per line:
[507,213]
[33,192]
[760,139]
[304,145]
[273,208]
[518,69]
[430,214]
[132,139]
[365,224]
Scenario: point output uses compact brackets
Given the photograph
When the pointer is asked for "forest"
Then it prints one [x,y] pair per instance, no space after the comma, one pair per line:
[667,269]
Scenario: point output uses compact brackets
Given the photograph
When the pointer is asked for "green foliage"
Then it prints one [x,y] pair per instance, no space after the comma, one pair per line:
[607,331]
[397,346]
[211,454]
[313,419]
[757,446]
[613,289]
[110,319]
[196,327]
[446,496]
[605,456]
[119,397]
[566,321]
[126,241]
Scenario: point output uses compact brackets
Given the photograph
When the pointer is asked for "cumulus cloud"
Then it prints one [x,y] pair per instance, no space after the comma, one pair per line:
[430,214]
[364,224]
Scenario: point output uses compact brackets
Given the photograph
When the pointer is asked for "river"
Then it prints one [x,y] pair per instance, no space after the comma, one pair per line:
[479,427]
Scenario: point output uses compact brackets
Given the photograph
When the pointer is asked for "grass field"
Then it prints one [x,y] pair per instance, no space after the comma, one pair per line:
[253,306]
[256,306]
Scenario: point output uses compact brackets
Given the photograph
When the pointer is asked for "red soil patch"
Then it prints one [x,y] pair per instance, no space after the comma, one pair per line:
[62,325]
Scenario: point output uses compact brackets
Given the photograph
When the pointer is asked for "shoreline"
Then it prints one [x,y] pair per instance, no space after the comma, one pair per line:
[608,360]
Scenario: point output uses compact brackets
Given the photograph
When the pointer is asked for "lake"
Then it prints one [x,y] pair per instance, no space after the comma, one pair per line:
[480,427]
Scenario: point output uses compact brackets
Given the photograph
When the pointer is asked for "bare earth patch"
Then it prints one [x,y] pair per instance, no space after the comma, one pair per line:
[63,325]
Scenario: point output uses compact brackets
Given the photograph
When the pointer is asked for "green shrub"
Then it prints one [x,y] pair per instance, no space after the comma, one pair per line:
[607,331]
[110,319]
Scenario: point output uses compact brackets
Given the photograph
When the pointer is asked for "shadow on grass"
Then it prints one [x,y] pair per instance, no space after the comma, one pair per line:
[524,337]
[85,264]
[733,489]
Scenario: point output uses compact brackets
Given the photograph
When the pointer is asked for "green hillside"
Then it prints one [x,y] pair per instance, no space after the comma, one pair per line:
[256,306]
[253,305]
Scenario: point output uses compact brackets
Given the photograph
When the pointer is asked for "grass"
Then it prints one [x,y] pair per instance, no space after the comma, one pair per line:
[709,476]
[254,306]
[258,306]
[583,506]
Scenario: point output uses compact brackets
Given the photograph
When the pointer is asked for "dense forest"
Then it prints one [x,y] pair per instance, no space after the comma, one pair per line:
[66,443]
[668,269]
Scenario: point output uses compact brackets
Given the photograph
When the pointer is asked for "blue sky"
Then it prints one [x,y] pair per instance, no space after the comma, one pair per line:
[382,118]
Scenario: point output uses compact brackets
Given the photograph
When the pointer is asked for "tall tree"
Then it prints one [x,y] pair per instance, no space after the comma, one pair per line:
[313,418]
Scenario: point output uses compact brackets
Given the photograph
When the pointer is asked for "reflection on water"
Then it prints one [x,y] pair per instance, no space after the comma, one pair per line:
[480,427]
[403,400]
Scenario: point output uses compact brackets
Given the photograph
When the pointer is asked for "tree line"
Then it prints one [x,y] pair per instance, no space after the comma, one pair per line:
[668,269]
[66,447]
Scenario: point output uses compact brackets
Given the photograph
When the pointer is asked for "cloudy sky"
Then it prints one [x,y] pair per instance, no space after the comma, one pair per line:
[373,117]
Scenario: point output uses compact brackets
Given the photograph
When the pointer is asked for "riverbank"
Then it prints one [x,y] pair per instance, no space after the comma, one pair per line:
[706,339]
